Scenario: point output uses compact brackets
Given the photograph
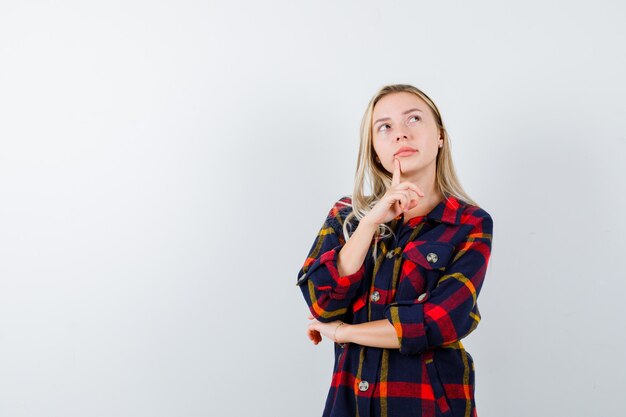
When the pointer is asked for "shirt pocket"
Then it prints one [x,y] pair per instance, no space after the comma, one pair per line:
[442,405]
[423,263]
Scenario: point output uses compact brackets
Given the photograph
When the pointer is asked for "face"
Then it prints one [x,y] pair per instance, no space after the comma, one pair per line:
[403,120]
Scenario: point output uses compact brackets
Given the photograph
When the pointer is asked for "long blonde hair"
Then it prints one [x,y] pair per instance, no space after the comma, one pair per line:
[380,179]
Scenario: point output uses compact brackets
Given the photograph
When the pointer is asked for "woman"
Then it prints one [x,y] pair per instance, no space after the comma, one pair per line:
[392,278]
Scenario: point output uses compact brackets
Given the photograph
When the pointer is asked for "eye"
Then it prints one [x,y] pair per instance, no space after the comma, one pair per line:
[416,117]
[383,127]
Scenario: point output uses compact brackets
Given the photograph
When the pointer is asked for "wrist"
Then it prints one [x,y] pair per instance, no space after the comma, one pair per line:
[367,225]
[342,334]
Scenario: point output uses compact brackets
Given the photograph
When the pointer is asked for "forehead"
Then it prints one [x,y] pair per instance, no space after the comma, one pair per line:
[394,104]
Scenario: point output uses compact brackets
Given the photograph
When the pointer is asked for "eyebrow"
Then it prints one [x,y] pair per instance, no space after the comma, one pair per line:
[406,112]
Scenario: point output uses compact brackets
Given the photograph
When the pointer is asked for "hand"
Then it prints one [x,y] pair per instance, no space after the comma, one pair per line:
[317,329]
[400,197]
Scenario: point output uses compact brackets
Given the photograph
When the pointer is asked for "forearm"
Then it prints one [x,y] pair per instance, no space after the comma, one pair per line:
[353,253]
[378,333]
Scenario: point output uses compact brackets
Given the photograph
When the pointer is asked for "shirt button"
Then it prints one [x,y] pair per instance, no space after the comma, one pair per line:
[375,296]
[364,385]
[432,257]
[421,297]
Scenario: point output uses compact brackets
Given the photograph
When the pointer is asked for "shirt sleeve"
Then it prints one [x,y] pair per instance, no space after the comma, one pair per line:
[327,293]
[449,312]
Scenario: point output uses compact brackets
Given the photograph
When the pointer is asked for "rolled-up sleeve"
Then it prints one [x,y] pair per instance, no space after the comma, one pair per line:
[449,312]
[327,293]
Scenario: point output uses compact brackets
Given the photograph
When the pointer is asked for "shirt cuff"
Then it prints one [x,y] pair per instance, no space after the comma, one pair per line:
[343,283]
[407,318]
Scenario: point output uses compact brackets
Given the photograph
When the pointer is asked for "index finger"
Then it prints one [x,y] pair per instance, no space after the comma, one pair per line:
[395,179]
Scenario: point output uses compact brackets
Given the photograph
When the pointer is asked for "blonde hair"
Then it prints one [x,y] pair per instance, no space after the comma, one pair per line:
[446,179]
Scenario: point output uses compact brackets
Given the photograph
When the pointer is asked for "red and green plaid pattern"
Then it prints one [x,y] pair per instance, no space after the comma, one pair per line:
[427,279]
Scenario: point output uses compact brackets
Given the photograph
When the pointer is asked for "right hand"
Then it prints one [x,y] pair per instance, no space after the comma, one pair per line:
[400,197]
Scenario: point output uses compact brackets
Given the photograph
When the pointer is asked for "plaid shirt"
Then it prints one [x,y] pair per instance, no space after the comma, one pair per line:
[425,281]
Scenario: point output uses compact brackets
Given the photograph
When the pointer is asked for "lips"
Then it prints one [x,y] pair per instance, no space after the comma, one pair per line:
[405,151]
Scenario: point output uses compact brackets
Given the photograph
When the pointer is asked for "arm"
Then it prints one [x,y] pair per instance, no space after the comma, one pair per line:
[333,269]
[449,312]
[378,333]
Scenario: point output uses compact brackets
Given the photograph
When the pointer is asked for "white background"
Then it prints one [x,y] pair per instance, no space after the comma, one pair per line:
[166,165]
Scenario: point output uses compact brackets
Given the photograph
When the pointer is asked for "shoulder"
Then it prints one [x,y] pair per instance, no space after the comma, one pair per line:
[340,209]
[342,205]
[475,216]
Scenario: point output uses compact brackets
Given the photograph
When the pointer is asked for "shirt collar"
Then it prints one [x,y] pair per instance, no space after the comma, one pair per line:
[447,211]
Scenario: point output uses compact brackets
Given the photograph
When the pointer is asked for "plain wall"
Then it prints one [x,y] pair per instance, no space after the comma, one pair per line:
[165,167]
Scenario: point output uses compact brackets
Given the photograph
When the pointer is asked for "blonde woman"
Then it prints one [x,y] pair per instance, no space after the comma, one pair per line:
[393,277]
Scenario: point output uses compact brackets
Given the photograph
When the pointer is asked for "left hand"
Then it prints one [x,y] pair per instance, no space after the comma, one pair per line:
[317,329]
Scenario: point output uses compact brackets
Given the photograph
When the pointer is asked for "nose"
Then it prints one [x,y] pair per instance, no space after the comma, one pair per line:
[402,132]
